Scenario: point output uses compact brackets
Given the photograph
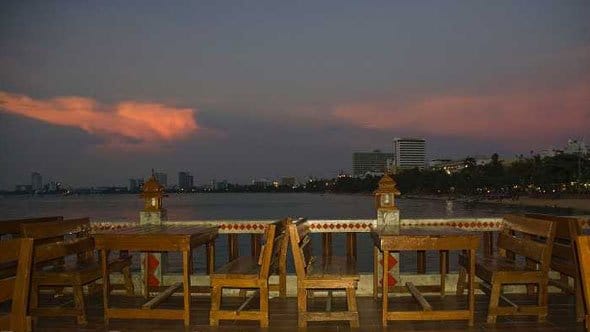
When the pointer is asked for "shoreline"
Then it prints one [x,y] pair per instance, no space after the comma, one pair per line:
[578,204]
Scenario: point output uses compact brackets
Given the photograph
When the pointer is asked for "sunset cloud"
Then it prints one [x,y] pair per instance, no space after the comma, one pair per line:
[127,122]
[520,116]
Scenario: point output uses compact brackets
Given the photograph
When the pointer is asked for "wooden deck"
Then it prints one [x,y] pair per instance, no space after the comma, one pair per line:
[283,316]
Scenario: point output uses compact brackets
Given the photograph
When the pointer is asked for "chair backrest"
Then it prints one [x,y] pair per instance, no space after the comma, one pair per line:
[13,226]
[273,255]
[300,238]
[58,239]
[16,287]
[528,237]
[566,231]
[583,247]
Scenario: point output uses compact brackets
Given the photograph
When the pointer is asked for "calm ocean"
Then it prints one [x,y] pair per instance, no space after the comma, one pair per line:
[257,206]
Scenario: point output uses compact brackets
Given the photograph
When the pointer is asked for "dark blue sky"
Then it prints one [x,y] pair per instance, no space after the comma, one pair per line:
[97,93]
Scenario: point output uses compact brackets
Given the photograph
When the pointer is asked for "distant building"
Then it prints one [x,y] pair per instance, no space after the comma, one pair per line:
[23,188]
[409,153]
[135,185]
[454,166]
[575,147]
[36,181]
[162,178]
[370,162]
[261,183]
[185,180]
[288,181]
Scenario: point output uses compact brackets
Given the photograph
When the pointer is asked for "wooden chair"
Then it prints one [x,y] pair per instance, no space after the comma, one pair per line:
[54,243]
[329,273]
[16,288]
[248,272]
[563,257]
[520,236]
[583,246]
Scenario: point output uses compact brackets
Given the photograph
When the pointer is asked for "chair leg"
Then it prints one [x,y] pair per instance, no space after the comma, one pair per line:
[128,280]
[79,304]
[264,306]
[494,302]
[542,293]
[352,307]
[580,313]
[33,301]
[461,280]
[215,305]
[302,307]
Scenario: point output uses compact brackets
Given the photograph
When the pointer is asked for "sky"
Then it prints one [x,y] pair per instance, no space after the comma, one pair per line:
[95,93]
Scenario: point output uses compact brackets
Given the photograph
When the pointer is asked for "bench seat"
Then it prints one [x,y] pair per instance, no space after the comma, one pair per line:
[242,267]
[333,267]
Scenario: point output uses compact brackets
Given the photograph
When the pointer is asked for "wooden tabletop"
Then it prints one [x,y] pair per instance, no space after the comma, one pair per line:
[155,237]
[424,238]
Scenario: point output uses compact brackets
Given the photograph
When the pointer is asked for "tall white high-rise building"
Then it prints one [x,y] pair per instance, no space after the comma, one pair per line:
[409,153]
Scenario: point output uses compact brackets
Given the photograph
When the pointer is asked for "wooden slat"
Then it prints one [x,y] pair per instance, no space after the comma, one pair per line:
[7,288]
[539,227]
[146,314]
[10,250]
[51,251]
[13,226]
[55,228]
[418,296]
[524,247]
[162,296]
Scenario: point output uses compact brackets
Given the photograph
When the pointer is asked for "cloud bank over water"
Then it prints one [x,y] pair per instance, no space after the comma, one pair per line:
[128,123]
[524,117]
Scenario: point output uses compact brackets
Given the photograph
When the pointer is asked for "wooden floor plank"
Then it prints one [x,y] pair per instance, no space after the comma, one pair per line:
[283,315]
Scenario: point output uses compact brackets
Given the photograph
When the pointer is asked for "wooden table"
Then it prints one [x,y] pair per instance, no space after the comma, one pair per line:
[388,239]
[153,238]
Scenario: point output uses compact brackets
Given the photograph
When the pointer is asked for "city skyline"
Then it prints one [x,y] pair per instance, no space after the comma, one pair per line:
[96,93]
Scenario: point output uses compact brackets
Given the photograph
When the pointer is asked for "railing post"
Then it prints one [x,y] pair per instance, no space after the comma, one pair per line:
[351,245]
[255,244]
[488,243]
[232,247]
[420,261]
[327,244]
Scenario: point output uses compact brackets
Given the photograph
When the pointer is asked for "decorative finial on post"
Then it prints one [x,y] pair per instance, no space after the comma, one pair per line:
[385,193]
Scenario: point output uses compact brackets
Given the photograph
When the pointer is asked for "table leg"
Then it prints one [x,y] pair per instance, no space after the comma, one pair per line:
[375,272]
[471,285]
[384,286]
[186,257]
[105,284]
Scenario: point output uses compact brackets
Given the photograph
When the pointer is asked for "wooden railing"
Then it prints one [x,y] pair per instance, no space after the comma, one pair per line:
[234,229]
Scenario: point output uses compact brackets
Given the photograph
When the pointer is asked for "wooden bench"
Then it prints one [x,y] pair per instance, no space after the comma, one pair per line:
[55,242]
[583,248]
[249,272]
[524,237]
[563,257]
[16,288]
[327,273]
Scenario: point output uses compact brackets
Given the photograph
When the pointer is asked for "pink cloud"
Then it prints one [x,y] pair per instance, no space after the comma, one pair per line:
[139,122]
[517,115]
